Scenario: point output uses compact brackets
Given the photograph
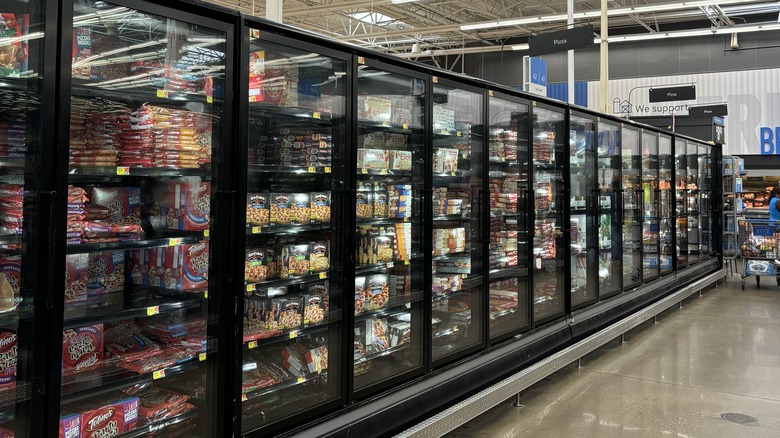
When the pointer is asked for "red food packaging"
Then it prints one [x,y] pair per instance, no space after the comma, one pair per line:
[111,419]
[188,205]
[122,202]
[131,346]
[70,426]
[8,359]
[186,267]
[82,349]
[157,404]
[76,266]
[138,267]
[10,282]
[106,272]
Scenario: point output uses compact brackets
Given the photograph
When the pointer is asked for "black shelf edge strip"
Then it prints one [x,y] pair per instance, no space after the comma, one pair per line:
[281,386]
[133,244]
[149,306]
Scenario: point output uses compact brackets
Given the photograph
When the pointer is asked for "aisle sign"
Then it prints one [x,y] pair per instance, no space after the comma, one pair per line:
[561,41]
[535,75]
[672,94]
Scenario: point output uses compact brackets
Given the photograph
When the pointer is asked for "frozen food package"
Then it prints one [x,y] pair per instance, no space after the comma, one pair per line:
[376,292]
[320,206]
[291,315]
[445,160]
[360,285]
[375,108]
[188,204]
[380,199]
[281,211]
[257,265]
[10,282]
[384,249]
[82,349]
[400,200]
[107,417]
[364,200]
[9,355]
[373,159]
[319,258]
[258,210]
[313,310]
[106,272]
[301,208]
[124,203]
[295,261]
[401,160]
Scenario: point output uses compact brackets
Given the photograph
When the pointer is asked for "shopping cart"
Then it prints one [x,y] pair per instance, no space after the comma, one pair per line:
[759,249]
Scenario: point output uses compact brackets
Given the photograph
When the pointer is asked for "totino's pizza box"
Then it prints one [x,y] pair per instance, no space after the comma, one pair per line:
[188,205]
[70,426]
[107,418]
[82,349]
[8,358]
[106,272]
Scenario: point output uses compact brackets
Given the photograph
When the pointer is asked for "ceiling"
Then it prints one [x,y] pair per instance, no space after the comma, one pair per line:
[435,25]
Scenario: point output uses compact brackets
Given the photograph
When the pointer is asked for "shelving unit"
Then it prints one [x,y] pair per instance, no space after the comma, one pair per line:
[733,171]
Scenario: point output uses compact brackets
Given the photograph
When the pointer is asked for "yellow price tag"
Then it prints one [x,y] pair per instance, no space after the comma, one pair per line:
[316,115]
[162,93]
[312,170]
[293,335]
[361,60]
[465,156]
[206,295]
[252,345]
[243,397]
[406,126]
[251,287]
[327,170]
[459,134]
[443,131]
[253,98]
[435,79]
[209,99]
[453,173]
[254,33]
[406,262]
[364,171]
[323,275]
[301,379]
[175,241]
[256,230]
[124,170]
[406,219]
[463,275]
[383,172]
[206,233]
[455,328]
[151,311]
[159,374]
[202,357]
[390,265]
[490,93]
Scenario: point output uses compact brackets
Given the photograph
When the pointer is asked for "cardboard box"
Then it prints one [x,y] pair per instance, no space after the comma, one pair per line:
[375,108]
[110,419]
[319,257]
[10,282]
[122,202]
[376,159]
[70,426]
[82,349]
[295,261]
[8,360]
[258,210]
[320,206]
[188,205]
[106,272]
[401,160]
[445,160]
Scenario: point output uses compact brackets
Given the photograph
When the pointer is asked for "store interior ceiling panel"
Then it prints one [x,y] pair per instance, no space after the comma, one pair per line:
[422,28]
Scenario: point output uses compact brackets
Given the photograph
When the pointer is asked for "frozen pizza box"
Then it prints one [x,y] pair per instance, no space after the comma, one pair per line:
[189,204]
[319,257]
[401,160]
[257,265]
[445,160]
[82,349]
[295,261]
[76,278]
[375,108]
[108,419]
[195,266]
[10,282]
[364,207]
[360,285]
[380,199]
[257,209]
[377,292]
[281,208]
[122,202]
[320,206]
[300,204]
[373,159]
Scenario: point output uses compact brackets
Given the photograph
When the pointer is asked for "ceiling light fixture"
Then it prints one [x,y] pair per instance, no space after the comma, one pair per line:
[595,13]
[398,2]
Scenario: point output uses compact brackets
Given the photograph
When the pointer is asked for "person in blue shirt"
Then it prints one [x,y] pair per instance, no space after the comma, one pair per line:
[774,205]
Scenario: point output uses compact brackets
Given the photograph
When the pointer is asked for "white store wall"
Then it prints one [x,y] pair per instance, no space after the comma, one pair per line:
[753,97]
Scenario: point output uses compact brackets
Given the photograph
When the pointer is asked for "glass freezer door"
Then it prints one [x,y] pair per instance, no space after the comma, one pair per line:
[632,213]
[458,150]
[22,151]
[650,206]
[548,251]
[145,121]
[666,229]
[692,202]
[389,276]
[705,187]
[681,205]
[509,234]
[291,331]
[608,210]
[582,133]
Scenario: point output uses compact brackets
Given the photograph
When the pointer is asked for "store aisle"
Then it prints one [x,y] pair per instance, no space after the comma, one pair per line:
[719,354]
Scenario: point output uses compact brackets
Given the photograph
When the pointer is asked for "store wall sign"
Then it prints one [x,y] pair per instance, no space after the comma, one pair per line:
[752,96]
[708,110]
[770,140]
[672,94]
[561,41]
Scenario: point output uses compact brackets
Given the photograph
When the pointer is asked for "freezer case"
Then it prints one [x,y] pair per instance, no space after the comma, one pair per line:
[680,202]
[548,165]
[650,207]
[632,207]
[706,247]
[458,205]
[608,210]
[390,270]
[666,237]
[509,191]
[24,155]
[146,109]
[582,265]
[292,308]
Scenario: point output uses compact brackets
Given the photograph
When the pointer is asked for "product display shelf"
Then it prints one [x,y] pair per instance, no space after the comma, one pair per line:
[509,272]
[12,162]
[450,329]
[292,115]
[251,395]
[93,383]
[181,238]
[267,170]
[24,84]
[10,319]
[156,426]
[273,229]
[278,336]
[376,126]
[10,239]
[83,88]
[394,306]
[143,301]
[278,282]
[81,173]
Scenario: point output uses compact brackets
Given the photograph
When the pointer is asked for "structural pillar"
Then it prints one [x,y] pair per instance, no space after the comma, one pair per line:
[604,104]
[273,10]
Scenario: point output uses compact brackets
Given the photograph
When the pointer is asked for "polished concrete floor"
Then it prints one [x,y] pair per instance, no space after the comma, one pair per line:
[719,354]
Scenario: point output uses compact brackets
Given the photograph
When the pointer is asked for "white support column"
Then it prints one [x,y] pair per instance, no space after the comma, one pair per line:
[570,22]
[273,10]
[604,104]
